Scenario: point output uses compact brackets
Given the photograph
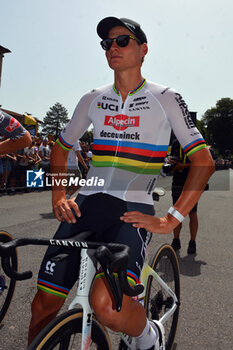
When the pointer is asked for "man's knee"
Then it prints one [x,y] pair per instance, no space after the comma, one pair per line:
[45,304]
[103,304]
[44,308]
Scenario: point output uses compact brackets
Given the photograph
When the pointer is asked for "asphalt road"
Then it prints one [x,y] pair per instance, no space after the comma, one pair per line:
[206,279]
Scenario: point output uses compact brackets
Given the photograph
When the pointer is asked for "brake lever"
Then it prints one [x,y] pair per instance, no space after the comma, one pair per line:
[129,290]
[105,258]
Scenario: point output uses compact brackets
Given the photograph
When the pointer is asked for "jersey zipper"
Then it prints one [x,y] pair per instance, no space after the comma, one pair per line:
[122,111]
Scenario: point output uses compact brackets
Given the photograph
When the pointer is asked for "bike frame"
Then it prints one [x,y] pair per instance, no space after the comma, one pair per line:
[87,272]
[148,271]
[86,276]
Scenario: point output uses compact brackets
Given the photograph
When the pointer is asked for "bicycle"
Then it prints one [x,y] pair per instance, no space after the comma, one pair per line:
[78,328]
[7,285]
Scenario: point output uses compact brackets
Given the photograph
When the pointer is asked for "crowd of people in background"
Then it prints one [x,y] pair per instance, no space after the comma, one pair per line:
[14,166]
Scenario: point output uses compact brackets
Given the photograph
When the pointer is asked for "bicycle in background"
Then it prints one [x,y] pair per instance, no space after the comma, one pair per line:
[7,285]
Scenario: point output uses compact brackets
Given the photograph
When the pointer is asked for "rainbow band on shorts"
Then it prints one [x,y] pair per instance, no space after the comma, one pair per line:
[131,276]
[52,288]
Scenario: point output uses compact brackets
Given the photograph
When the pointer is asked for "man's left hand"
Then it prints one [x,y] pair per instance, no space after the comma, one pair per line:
[149,222]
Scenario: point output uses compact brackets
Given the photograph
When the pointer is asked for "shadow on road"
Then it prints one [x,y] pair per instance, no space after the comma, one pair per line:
[47,215]
[189,266]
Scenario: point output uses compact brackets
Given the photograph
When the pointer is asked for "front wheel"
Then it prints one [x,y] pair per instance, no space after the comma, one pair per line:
[7,285]
[157,300]
[65,333]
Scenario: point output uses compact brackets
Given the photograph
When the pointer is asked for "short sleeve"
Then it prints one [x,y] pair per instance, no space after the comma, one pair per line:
[78,124]
[181,123]
[10,127]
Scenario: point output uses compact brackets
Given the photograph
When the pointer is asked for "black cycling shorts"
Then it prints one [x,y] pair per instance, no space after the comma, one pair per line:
[101,214]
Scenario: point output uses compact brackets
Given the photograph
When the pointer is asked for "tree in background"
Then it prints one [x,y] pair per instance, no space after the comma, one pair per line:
[87,136]
[201,127]
[218,126]
[55,120]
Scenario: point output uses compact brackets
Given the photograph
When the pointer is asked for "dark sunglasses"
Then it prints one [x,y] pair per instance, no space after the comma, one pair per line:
[121,40]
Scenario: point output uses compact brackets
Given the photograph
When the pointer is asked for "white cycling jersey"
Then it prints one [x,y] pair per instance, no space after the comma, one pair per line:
[131,138]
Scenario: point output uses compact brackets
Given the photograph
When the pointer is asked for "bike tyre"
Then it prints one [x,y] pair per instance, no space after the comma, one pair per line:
[60,330]
[7,294]
[164,256]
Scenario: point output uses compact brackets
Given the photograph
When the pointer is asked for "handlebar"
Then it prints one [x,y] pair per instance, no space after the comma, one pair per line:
[111,256]
[6,251]
[117,262]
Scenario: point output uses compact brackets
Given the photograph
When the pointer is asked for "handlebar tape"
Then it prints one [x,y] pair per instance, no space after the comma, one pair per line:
[9,271]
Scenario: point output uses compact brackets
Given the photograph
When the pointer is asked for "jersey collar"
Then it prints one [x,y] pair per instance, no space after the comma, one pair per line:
[132,92]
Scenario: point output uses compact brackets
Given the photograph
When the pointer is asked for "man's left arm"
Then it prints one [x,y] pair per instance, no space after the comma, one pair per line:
[201,168]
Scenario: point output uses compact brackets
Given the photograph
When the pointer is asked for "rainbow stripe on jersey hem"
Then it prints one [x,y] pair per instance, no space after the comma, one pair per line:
[131,276]
[52,288]
[141,158]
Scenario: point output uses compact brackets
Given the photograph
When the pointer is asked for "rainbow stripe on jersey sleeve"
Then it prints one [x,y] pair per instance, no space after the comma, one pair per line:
[63,144]
[194,146]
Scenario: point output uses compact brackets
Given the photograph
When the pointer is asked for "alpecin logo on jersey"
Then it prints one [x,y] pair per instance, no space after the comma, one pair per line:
[121,121]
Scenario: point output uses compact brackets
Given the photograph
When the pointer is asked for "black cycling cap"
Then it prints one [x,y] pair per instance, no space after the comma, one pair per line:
[108,23]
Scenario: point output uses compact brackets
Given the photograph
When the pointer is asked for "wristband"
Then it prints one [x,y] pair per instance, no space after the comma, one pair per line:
[176,214]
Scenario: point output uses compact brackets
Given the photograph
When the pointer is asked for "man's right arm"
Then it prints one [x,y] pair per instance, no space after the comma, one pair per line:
[76,127]
[62,207]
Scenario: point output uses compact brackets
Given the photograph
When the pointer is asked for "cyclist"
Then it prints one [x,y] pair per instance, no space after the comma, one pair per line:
[132,122]
[17,136]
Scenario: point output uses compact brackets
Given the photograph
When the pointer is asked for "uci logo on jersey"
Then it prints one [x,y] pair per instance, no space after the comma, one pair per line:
[121,122]
[111,106]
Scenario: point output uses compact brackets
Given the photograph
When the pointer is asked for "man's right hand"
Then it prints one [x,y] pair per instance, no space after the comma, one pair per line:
[63,210]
